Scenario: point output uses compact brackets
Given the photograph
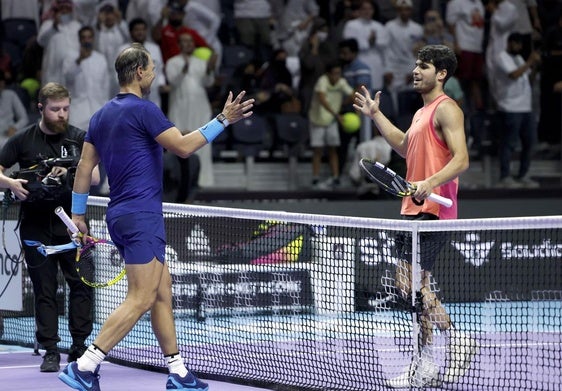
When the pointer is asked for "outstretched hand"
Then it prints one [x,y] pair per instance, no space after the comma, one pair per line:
[236,109]
[363,102]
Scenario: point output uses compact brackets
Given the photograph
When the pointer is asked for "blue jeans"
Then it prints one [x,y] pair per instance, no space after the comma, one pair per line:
[515,125]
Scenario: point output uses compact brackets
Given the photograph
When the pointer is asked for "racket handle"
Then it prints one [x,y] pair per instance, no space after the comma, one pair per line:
[59,211]
[439,199]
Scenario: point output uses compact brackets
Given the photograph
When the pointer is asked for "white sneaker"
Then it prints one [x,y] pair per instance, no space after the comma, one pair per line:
[329,183]
[528,183]
[426,374]
[422,372]
[460,352]
[509,183]
[403,380]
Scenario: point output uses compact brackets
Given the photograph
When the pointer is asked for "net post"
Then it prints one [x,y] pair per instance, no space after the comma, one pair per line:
[416,286]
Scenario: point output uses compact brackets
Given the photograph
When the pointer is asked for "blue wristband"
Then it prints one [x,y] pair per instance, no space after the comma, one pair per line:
[79,203]
[211,130]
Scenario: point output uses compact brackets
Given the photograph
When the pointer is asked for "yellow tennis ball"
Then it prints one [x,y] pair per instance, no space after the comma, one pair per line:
[203,53]
[31,85]
[351,122]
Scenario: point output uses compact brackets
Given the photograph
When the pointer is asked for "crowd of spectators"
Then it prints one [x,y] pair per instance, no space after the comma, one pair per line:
[277,50]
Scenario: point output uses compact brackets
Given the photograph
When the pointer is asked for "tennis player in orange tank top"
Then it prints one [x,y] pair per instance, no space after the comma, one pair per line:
[424,140]
[436,154]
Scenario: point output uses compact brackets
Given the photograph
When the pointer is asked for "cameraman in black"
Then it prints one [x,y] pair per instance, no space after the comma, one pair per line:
[47,152]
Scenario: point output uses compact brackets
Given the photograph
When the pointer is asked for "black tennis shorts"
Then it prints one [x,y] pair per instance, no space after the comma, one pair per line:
[431,243]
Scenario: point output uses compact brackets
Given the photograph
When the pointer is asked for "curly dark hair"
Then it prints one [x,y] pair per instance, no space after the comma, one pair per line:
[441,56]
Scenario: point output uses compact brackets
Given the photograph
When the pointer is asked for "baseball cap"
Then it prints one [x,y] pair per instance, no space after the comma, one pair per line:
[175,6]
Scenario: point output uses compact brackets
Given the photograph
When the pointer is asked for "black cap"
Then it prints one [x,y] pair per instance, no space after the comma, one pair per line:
[175,6]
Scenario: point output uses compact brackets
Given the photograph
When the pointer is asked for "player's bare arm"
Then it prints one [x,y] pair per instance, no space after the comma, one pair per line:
[364,103]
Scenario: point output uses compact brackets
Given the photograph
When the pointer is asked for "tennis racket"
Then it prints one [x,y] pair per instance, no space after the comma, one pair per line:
[98,261]
[394,183]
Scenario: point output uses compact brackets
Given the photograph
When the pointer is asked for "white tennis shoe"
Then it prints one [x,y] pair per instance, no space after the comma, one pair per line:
[459,354]
[422,372]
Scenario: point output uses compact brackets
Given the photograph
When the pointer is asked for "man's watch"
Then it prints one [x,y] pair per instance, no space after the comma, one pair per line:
[222,119]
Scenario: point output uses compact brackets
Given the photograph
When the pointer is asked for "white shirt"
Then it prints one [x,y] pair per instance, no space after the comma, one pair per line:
[512,95]
[57,44]
[467,17]
[189,106]
[88,84]
[501,25]
[207,23]
[399,54]
[373,56]
[377,149]
[108,41]
[148,10]
[523,24]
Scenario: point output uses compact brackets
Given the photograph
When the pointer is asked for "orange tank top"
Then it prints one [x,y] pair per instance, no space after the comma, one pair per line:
[426,155]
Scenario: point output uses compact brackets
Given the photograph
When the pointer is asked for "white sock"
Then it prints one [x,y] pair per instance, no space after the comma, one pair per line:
[90,359]
[176,365]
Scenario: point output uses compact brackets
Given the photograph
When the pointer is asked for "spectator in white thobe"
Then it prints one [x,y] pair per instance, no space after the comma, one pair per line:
[138,30]
[87,79]
[503,22]
[206,22]
[148,10]
[57,37]
[112,31]
[189,106]
[400,55]
[372,38]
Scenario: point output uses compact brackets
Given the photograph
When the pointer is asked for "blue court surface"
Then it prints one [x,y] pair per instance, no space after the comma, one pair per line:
[19,370]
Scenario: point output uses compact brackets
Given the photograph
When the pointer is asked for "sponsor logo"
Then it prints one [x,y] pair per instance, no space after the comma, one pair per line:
[378,249]
[473,250]
[545,250]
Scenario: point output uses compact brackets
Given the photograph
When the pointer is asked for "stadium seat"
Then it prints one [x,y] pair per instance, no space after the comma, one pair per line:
[291,131]
[236,55]
[19,31]
[248,138]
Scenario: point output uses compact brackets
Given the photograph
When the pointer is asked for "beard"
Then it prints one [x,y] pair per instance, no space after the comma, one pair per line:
[56,127]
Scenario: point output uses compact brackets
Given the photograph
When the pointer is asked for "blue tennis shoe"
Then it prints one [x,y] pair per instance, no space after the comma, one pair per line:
[187,383]
[83,381]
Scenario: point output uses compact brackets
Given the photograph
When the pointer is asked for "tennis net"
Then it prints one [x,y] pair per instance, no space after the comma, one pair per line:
[317,302]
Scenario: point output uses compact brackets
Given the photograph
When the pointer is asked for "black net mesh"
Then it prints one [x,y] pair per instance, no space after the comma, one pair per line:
[309,302]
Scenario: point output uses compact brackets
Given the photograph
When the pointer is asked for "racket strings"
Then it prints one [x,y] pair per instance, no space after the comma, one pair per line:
[99,264]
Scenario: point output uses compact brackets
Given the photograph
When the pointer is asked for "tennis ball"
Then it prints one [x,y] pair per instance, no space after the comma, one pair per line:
[203,53]
[351,122]
[31,85]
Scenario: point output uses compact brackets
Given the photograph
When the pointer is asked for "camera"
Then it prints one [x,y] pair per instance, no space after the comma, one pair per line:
[41,185]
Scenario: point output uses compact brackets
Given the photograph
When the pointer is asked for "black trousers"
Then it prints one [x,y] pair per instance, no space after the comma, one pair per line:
[43,273]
